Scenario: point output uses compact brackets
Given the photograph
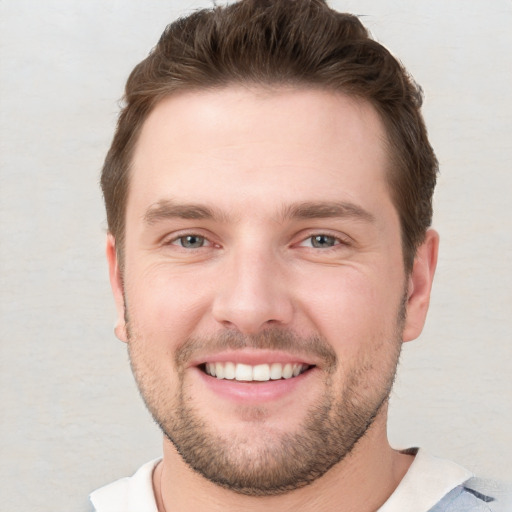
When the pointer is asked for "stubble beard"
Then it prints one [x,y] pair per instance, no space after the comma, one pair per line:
[275,463]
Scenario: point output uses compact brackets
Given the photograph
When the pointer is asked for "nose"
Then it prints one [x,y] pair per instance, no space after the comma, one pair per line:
[252,293]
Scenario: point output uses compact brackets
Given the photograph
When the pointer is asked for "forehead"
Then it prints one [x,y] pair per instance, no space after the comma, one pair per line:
[238,145]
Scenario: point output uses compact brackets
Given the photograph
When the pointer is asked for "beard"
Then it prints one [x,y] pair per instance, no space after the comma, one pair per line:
[262,461]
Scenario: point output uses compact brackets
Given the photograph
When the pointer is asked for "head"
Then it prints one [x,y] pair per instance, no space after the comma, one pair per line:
[302,43]
[268,195]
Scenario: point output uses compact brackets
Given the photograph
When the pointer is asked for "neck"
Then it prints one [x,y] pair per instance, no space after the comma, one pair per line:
[362,482]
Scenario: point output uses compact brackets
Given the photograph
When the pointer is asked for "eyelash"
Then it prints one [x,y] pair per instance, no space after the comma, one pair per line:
[336,241]
[205,242]
[176,241]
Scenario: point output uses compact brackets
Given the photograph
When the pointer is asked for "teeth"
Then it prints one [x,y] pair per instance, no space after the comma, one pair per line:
[243,372]
[287,371]
[260,372]
[276,371]
[219,370]
[210,369]
[229,371]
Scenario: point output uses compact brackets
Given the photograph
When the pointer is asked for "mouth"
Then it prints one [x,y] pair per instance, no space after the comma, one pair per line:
[254,373]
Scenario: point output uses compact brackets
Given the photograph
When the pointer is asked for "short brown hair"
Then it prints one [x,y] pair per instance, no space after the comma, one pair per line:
[291,43]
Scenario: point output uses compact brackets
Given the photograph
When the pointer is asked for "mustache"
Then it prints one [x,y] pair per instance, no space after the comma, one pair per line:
[272,338]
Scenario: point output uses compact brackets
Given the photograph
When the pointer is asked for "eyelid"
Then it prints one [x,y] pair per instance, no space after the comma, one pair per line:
[341,238]
[172,238]
[176,241]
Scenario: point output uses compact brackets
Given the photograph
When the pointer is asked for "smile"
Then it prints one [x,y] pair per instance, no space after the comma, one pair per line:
[259,372]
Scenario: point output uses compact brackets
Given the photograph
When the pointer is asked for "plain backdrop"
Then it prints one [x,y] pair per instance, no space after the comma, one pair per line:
[70,416]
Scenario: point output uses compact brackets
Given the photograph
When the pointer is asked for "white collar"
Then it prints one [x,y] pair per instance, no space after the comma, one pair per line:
[425,483]
[129,494]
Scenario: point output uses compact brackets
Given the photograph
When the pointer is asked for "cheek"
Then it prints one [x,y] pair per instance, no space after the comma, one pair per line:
[353,309]
[165,302]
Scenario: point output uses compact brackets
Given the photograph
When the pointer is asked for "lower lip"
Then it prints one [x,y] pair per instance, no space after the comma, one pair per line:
[254,392]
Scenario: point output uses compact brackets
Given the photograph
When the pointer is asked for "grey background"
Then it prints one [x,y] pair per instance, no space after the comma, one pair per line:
[70,417]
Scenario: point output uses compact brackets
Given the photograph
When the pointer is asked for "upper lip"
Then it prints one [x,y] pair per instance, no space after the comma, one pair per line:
[253,357]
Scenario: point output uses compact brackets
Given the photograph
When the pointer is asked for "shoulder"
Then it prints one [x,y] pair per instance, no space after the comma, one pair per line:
[433,484]
[129,494]
[477,495]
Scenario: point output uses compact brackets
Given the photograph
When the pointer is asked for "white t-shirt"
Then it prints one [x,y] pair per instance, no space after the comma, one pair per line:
[430,485]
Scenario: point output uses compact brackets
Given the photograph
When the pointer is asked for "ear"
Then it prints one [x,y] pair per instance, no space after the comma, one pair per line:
[116,282]
[420,285]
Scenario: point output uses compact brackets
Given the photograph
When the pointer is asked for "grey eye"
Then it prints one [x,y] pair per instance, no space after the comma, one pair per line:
[192,241]
[323,241]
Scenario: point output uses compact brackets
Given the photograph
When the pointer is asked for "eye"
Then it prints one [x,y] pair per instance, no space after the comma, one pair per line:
[190,241]
[323,241]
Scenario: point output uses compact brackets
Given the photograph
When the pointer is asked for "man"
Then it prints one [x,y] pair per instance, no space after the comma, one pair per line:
[269,200]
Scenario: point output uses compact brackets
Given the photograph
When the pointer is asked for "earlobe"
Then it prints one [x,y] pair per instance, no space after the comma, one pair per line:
[420,285]
[116,283]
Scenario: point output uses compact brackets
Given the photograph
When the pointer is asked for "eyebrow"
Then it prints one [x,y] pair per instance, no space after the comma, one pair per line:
[323,210]
[168,209]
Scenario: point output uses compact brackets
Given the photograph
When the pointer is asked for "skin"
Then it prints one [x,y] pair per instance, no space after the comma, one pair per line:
[252,155]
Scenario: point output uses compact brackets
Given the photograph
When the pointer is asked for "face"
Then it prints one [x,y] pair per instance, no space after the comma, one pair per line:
[263,284]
